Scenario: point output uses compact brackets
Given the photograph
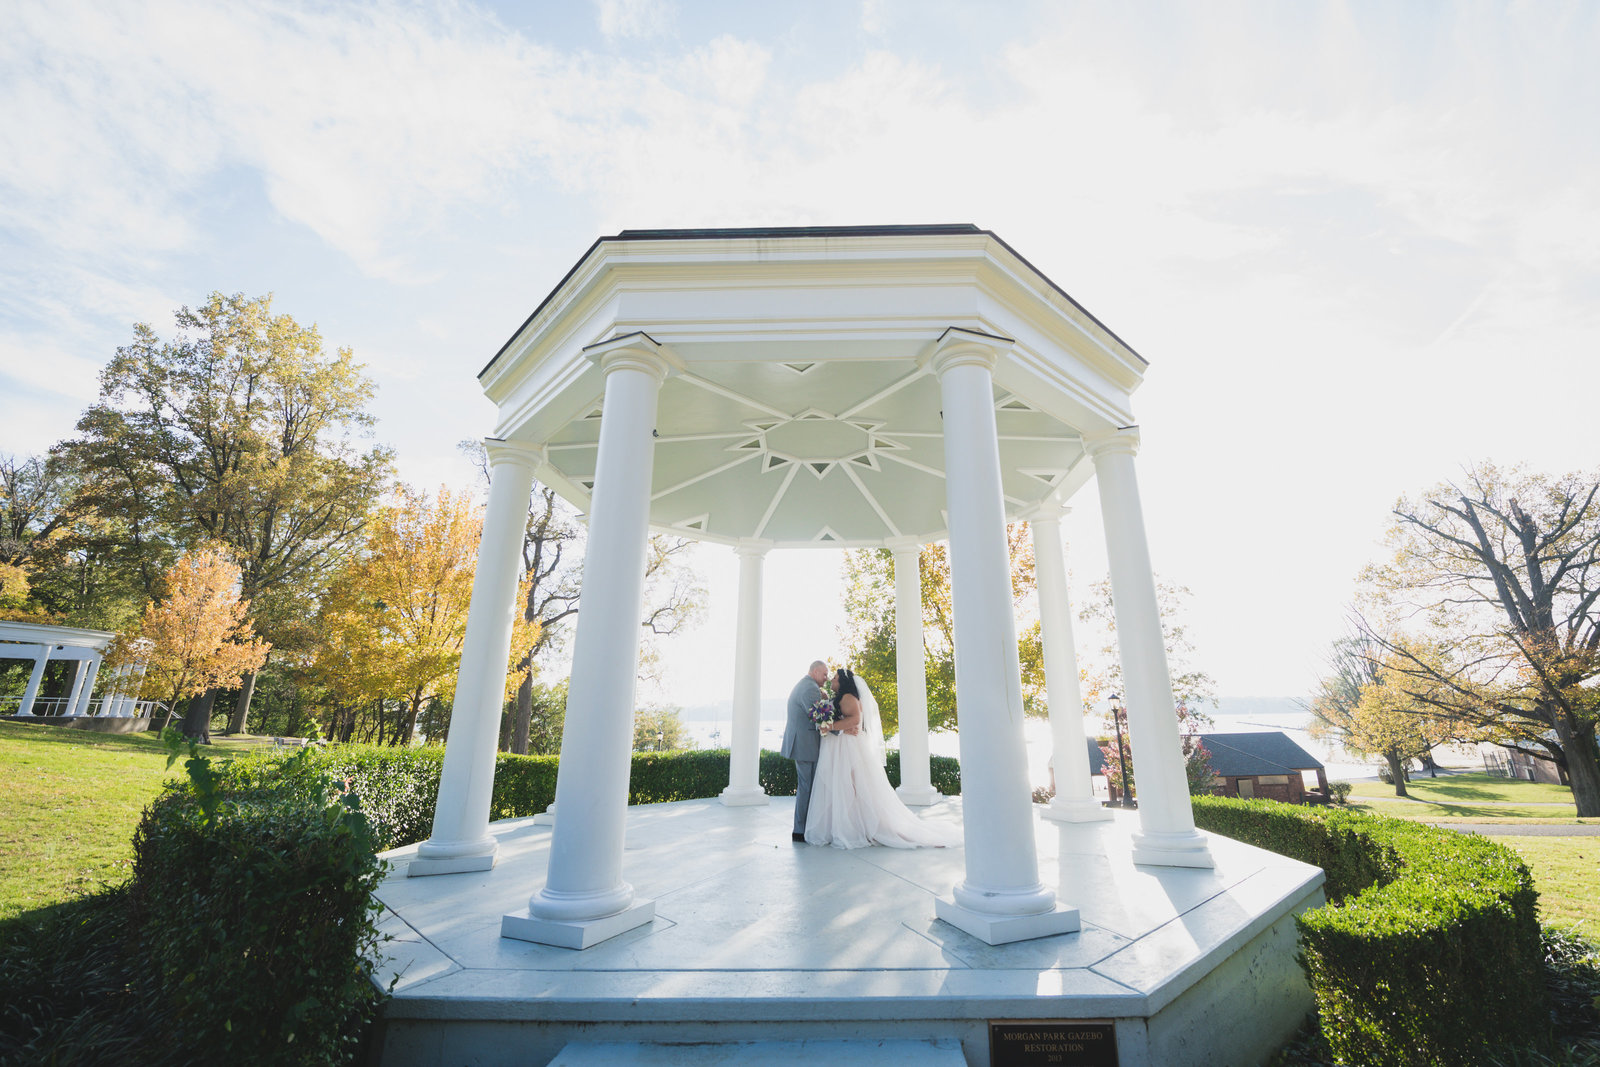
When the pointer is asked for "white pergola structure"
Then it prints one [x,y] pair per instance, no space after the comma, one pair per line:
[815,387]
[41,644]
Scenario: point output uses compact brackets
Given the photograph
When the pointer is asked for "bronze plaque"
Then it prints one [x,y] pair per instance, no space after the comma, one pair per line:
[1058,1042]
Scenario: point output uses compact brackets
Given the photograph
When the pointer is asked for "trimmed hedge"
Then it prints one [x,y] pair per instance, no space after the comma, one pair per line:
[398,786]
[252,901]
[1429,950]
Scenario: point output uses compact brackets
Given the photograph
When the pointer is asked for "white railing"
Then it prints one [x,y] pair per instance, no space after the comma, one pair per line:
[59,706]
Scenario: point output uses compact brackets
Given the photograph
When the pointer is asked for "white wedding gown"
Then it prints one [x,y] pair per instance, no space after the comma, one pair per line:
[853,804]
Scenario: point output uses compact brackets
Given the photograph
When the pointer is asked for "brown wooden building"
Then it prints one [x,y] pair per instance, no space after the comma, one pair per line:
[1267,764]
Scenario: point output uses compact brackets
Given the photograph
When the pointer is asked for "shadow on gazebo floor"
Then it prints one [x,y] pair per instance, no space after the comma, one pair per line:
[760,939]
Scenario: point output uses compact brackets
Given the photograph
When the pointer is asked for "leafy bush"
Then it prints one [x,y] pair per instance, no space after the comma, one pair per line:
[1430,949]
[71,991]
[397,787]
[252,901]
[1339,792]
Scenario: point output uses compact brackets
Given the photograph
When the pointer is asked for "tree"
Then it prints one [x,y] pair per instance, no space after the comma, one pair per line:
[395,617]
[199,634]
[1192,688]
[239,431]
[1502,570]
[658,729]
[869,637]
[552,562]
[1361,703]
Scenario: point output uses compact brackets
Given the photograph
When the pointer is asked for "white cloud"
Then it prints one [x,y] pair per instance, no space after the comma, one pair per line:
[633,18]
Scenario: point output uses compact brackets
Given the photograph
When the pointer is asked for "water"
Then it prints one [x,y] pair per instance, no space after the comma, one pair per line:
[1252,715]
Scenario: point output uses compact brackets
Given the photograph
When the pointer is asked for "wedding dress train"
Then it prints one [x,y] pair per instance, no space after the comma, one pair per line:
[853,805]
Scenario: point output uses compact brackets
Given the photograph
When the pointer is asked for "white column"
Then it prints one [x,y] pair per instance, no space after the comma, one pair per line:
[1167,836]
[1074,800]
[911,675]
[584,899]
[89,671]
[79,671]
[1001,899]
[460,840]
[137,689]
[744,756]
[31,693]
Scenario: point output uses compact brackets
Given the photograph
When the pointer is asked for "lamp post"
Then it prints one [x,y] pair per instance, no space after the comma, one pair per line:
[1125,801]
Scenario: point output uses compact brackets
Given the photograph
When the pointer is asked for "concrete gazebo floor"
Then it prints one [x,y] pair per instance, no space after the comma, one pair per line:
[757,939]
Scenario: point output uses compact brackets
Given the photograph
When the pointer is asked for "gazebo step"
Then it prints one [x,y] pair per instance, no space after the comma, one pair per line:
[944,1052]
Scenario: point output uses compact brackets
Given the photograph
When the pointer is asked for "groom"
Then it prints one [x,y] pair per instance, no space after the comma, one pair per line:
[801,740]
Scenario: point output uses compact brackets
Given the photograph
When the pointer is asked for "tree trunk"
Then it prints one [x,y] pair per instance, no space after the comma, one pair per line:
[519,732]
[1397,771]
[1583,765]
[197,719]
[408,729]
[241,710]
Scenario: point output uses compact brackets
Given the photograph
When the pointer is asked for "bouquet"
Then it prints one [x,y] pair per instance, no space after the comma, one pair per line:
[823,711]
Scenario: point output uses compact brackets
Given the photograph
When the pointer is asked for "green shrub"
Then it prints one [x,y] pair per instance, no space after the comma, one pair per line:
[1339,792]
[1430,949]
[252,901]
[398,787]
[71,991]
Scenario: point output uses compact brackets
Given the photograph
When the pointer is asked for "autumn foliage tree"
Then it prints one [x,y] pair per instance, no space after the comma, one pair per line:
[199,634]
[1500,572]
[1363,702]
[238,430]
[394,619]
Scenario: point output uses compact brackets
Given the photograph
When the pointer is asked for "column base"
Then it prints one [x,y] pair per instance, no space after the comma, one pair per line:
[1004,929]
[576,933]
[1076,809]
[913,796]
[456,857]
[1186,849]
[749,796]
[547,817]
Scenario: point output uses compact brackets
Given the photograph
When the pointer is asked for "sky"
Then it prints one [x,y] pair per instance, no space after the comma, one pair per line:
[1359,243]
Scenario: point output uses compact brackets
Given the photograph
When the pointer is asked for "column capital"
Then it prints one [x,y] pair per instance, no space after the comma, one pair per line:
[752,547]
[517,452]
[634,351]
[901,546]
[1123,441]
[960,347]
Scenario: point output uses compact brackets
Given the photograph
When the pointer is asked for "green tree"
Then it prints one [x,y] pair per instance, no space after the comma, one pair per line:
[1500,569]
[659,729]
[869,637]
[241,431]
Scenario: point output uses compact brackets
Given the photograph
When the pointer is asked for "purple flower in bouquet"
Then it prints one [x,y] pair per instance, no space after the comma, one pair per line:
[823,711]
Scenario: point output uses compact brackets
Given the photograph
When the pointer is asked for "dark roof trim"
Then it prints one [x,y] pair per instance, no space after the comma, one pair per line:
[797,232]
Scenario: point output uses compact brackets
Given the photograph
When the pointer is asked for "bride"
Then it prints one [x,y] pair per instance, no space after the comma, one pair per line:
[852,802]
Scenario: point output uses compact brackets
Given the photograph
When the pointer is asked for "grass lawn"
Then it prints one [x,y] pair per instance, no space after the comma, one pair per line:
[72,800]
[1566,870]
[1471,797]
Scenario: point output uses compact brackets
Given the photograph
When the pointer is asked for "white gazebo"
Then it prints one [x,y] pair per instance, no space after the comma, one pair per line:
[801,388]
[85,650]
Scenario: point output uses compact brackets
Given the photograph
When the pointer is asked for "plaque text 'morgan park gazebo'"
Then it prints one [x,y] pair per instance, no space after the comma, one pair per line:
[815,387]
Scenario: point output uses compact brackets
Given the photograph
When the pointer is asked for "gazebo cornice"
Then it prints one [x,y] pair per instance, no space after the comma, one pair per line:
[689,260]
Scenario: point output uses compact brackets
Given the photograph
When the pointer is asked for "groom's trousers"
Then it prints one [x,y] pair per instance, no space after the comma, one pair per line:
[804,769]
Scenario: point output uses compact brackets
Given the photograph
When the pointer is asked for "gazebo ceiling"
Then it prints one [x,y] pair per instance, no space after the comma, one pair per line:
[802,412]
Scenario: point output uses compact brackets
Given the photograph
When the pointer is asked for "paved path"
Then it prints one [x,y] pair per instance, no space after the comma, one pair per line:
[1466,803]
[1523,829]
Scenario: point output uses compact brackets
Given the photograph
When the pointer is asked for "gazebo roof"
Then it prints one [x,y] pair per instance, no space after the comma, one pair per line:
[802,410]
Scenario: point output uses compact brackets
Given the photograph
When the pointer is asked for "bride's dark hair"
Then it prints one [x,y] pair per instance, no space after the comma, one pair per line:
[847,682]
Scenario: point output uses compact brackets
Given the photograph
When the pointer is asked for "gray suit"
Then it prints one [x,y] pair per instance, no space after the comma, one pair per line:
[801,742]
